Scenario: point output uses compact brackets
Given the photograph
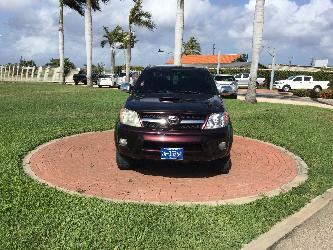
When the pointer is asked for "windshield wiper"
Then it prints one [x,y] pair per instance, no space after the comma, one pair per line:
[187,92]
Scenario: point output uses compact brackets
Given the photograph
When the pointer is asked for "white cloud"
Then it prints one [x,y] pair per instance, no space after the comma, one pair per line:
[15,4]
[34,46]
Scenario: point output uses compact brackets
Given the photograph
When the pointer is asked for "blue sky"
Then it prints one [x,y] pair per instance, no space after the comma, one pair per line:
[298,29]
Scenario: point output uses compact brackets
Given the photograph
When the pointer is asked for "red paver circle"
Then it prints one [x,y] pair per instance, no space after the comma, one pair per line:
[86,164]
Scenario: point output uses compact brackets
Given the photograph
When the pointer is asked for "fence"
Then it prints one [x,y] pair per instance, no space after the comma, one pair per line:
[16,73]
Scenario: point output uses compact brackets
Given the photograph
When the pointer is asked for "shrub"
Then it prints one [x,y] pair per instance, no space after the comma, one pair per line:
[327,94]
[301,92]
[330,85]
[305,93]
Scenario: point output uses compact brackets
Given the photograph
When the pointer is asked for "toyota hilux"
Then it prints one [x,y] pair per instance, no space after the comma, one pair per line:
[174,113]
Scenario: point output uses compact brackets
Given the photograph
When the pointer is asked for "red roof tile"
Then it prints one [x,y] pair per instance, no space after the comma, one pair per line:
[206,59]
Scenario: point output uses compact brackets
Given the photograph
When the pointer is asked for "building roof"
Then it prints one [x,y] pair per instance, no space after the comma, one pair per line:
[206,59]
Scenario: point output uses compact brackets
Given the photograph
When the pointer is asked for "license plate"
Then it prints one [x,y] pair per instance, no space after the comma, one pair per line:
[172,153]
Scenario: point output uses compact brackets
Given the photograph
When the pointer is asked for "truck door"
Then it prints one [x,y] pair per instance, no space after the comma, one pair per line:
[297,83]
[308,82]
[245,79]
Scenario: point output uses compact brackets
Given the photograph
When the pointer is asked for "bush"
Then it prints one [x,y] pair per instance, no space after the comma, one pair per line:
[55,62]
[305,93]
[330,85]
[300,92]
[327,94]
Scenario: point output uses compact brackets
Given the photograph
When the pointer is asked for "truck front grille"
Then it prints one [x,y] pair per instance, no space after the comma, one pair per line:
[160,121]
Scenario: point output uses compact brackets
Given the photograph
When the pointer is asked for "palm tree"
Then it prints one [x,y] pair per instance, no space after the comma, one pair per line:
[258,27]
[113,38]
[90,5]
[77,6]
[192,47]
[179,32]
[137,17]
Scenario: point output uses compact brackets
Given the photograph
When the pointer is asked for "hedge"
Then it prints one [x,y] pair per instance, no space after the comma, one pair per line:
[281,74]
[325,94]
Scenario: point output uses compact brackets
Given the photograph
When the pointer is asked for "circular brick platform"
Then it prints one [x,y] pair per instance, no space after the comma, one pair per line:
[85,164]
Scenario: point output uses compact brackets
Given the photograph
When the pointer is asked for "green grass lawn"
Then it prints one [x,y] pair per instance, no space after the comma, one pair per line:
[33,216]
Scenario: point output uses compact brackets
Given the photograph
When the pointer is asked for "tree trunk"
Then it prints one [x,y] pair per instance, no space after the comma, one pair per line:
[113,60]
[258,26]
[61,43]
[88,36]
[179,31]
[128,55]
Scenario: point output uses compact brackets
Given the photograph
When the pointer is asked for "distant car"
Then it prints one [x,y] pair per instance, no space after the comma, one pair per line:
[125,87]
[109,80]
[122,79]
[226,85]
[82,77]
[300,82]
[243,80]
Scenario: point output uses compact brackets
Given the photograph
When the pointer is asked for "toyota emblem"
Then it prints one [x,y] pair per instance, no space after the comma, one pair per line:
[173,120]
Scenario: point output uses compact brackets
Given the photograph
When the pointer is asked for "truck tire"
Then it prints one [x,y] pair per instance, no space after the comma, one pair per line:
[317,89]
[124,163]
[222,166]
[76,82]
[286,88]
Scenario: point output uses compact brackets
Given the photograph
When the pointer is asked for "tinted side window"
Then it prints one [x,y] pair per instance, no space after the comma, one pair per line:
[238,76]
[298,79]
[307,78]
[246,75]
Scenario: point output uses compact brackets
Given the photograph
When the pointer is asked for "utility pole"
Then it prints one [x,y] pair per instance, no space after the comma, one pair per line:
[273,69]
[218,62]
[214,49]
[273,55]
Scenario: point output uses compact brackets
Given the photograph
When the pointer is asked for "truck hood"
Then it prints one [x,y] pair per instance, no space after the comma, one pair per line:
[282,81]
[180,103]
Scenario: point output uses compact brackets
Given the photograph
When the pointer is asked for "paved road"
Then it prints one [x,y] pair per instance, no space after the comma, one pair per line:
[315,233]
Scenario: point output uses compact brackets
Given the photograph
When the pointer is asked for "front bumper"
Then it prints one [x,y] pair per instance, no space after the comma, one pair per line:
[227,90]
[198,145]
[277,86]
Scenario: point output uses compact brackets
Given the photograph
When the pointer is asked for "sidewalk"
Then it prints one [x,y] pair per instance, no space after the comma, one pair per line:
[309,228]
[273,96]
[315,233]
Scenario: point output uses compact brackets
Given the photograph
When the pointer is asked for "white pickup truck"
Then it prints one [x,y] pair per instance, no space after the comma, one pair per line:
[244,79]
[300,82]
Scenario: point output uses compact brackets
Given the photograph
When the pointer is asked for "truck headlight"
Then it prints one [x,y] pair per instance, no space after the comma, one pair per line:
[130,118]
[217,120]
[233,86]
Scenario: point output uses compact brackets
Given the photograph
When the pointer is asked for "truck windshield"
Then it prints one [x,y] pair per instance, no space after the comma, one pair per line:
[175,80]
[225,78]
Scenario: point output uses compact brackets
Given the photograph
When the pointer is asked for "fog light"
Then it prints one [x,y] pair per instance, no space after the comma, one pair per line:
[222,146]
[122,142]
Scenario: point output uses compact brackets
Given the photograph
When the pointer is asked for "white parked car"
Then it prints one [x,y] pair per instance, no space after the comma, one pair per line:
[109,80]
[243,80]
[226,85]
[300,82]
[122,79]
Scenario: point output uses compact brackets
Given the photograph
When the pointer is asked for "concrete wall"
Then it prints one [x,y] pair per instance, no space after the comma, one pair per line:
[14,73]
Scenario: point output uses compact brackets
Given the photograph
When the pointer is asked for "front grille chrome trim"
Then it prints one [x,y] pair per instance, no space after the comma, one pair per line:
[192,122]
[162,121]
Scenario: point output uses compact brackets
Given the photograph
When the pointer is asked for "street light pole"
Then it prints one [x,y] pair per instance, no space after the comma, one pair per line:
[218,62]
[273,70]
[273,55]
